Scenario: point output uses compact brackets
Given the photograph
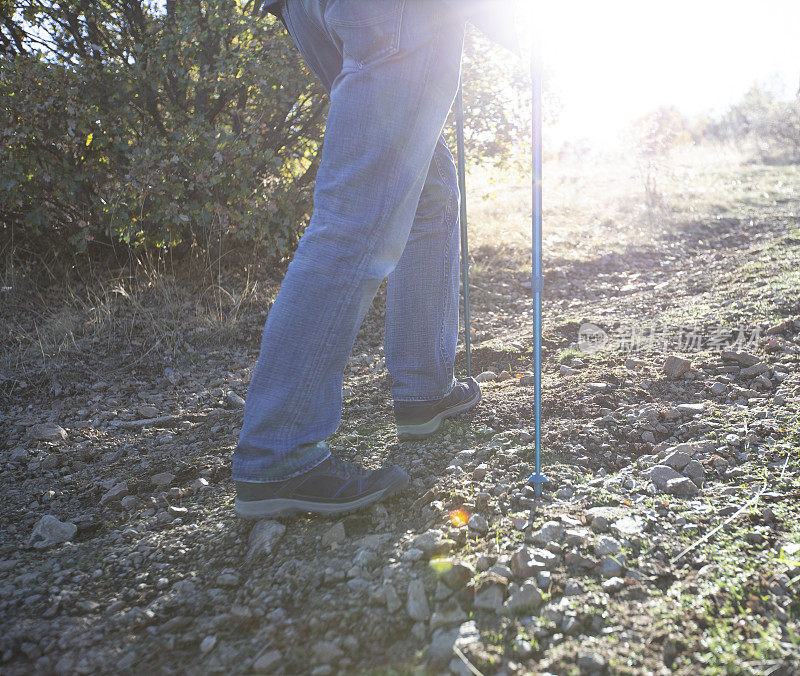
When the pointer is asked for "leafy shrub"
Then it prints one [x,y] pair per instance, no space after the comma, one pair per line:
[175,124]
[772,124]
[178,126]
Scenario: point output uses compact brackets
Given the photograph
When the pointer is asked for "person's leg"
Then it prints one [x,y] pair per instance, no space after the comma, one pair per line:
[389,103]
[422,293]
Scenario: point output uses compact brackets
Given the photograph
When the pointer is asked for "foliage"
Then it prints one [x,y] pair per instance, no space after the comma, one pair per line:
[497,101]
[124,123]
[169,125]
[762,117]
[653,136]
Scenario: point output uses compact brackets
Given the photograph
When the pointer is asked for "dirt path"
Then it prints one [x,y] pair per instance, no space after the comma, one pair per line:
[668,543]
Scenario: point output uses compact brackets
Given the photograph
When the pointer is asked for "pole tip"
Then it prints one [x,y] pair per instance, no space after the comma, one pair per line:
[538,480]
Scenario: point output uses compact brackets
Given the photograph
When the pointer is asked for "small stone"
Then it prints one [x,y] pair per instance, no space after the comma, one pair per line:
[327,652]
[200,484]
[48,431]
[448,613]
[8,564]
[544,579]
[441,592]
[115,494]
[334,535]
[519,522]
[611,566]
[525,596]
[502,571]
[591,662]
[573,588]
[479,473]
[478,523]
[174,510]
[391,599]
[606,545]
[522,647]
[633,364]
[484,562]
[129,502]
[718,388]
[682,487]
[754,370]
[489,597]
[162,479]
[790,549]
[564,493]
[49,531]
[613,584]
[675,366]
[691,409]
[432,543]
[781,327]
[416,601]
[147,412]
[660,475]
[695,471]
[228,579]
[565,370]
[505,375]
[628,525]
[265,534]
[552,531]
[676,459]
[543,558]
[233,400]
[520,564]
[457,575]
[207,644]
[267,661]
[486,376]
[51,461]
[741,358]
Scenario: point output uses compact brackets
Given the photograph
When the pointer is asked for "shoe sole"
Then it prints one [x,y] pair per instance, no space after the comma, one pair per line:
[426,429]
[275,507]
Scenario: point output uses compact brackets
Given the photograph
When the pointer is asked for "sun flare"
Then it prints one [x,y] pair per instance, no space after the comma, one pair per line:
[609,63]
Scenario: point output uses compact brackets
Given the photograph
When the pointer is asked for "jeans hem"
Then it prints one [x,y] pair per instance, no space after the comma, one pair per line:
[262,479]
[432,400]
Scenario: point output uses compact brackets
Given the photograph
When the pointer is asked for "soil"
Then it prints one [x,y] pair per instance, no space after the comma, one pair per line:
[121,416]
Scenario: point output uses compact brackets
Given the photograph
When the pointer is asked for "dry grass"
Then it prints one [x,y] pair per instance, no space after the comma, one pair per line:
[588,203]
[134,314]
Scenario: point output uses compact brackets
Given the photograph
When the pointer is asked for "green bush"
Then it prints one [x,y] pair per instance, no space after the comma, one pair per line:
[762,118]
[194,123]
[155,125]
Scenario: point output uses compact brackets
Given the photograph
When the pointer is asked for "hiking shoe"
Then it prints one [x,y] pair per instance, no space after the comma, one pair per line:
[419,419]
[332,487]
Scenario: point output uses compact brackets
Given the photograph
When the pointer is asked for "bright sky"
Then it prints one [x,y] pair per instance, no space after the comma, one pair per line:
[614,60]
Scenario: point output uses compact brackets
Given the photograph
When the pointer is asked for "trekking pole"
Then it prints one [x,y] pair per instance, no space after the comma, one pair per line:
[462,189]
[537,280]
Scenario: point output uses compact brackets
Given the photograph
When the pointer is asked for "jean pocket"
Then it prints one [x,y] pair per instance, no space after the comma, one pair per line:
[369,30]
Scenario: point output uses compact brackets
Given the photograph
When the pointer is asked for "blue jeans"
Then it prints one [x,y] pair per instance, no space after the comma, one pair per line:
[385,205]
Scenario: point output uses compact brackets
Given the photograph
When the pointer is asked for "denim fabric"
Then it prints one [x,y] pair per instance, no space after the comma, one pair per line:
[385,204]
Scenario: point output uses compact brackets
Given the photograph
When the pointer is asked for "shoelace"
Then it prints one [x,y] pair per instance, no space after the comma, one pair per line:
[346,469]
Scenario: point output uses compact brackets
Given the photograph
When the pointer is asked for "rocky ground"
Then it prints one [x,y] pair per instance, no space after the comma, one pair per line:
[668,540]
